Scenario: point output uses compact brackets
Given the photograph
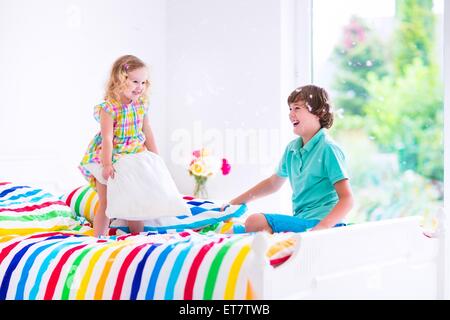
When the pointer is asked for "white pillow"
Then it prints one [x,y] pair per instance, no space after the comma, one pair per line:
[143,189]
[203,213]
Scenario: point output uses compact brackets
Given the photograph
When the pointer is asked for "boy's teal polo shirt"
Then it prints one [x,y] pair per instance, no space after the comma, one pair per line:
[313,169]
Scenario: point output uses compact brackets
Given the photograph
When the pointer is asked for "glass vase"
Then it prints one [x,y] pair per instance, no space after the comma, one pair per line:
[200,190]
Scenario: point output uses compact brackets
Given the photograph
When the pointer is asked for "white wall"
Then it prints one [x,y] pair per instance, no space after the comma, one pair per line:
[221,73]
[226,60]
[54,59]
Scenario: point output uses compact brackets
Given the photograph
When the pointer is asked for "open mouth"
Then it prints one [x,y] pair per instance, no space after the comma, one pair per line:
[295,123]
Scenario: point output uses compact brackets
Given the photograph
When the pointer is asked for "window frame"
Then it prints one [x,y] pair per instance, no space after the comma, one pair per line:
[303,74]
[444,239]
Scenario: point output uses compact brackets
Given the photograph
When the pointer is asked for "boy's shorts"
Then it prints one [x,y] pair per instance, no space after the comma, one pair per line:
[286,223]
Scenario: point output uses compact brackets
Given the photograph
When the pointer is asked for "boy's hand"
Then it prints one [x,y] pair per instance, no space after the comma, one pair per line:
[108,171]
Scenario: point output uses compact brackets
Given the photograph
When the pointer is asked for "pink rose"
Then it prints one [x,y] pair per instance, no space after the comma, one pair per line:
[225,167]
[196,153]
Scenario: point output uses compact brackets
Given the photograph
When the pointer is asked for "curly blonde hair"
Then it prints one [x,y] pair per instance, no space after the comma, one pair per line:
[318,102]
[119,75]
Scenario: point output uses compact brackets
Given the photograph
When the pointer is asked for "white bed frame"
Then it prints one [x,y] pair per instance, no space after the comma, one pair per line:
[389,259]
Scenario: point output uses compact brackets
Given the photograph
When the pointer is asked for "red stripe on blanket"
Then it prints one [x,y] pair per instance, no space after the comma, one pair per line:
[53,281]
[34,207]
[123,237]
[3,183]
[190,281]
[69,198]
[6,250]
[278,261]
[184,234]
[123,271]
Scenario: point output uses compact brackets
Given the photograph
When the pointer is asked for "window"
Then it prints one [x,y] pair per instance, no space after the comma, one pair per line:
[382,63]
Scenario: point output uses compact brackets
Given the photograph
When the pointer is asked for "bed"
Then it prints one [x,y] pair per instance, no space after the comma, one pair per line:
[389,259]
[47,251]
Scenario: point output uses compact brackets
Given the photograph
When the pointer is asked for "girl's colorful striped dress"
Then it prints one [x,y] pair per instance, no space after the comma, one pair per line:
[128,135]
[142,187]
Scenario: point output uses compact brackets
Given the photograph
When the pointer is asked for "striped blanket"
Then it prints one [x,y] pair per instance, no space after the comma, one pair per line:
[47,252]
[26,210]
[186,265]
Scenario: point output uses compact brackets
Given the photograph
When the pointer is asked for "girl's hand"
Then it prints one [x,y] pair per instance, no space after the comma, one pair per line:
[108,171]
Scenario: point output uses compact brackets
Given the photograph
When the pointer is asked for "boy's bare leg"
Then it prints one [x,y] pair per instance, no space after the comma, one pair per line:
[257,222]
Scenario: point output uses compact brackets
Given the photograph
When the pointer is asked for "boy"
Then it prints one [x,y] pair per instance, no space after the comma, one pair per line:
[315,167]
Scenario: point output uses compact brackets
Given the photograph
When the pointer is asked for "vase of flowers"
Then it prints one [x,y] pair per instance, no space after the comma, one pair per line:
[204,166]
[200,187]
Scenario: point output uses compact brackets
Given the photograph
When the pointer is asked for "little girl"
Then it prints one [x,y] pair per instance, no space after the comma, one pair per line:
[125,131]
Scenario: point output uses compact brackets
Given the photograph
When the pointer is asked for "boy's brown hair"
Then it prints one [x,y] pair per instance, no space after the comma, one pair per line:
[316,100]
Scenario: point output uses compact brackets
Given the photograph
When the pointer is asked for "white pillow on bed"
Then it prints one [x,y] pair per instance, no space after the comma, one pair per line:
[142,188]
[202,213]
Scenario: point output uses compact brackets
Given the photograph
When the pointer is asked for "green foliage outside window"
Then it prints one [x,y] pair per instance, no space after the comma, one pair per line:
[405,115]
[359,54]
[392,97]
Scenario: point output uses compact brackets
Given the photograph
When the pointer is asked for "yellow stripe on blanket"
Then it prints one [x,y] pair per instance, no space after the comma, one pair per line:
[106,269]
[280,246]
[226,227]
[7,237]
[25,231]
[92,263]
[234,272]
[89,204]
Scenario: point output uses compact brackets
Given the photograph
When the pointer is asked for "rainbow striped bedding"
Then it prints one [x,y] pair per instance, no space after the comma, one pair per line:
[25,210]
[46,253]
[61,265]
